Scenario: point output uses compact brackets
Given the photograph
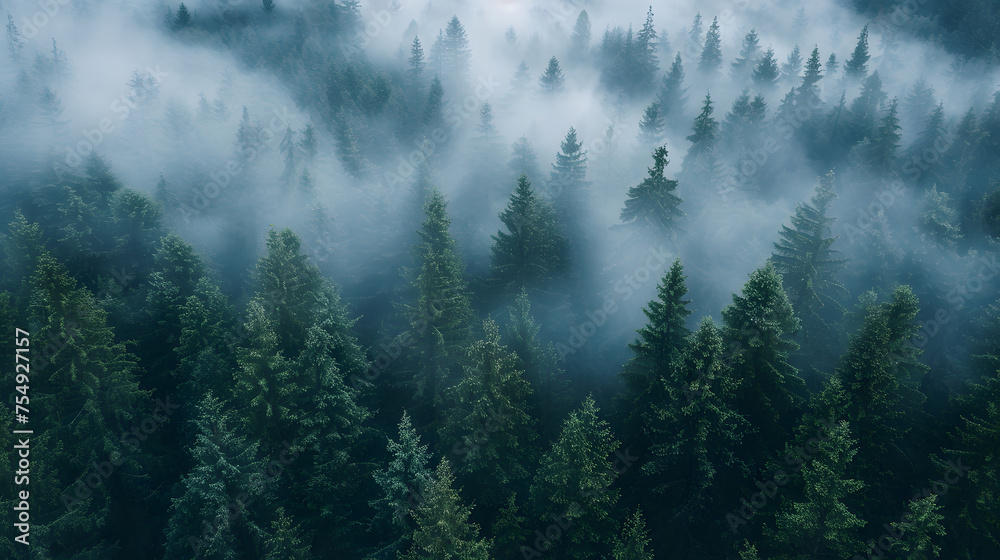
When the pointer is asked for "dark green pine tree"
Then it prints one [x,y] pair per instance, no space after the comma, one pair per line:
[444,531]
[880,375]
[285,542]
[552,79]
[574,483]
[416,63]
[856,67]
[201,523]
[633,543]
[877,153]
[568,188]
[832,64]
[86,398]
[758,327]
[673,94]
[533,250]
[695,438]
[766,73]
[508,531]
[645,62]
[402,483]
[703,133]
[933,130]
[750,53]
[440,290]
[808,92]
[938,220]
[540,365]
[820,523]
[492,397]
[652,209]
[808,266]
[652,125]
[711,55]
[700,169]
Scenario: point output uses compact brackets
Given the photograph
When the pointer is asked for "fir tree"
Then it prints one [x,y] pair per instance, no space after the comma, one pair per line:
[703,136]
[672,92]
[456,57]
[651,209]
[285,543]
[765,74]
[808,265]
[711,54]
[857,66]
[750,53]
[533,250]
[183,18]
[552,80]
[567,181]
[268,6]
[574,480]
[808,92]
[580,40]
[651,127]
[523,160]
[938,219]
[793,64]
[14,41]
[444,531]
[633,543]
[416,62]
[403,482]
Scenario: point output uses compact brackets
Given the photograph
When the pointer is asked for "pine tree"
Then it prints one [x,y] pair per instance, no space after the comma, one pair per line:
[750,53]
[533,250]
[877,153]
[807,264]
[439,285]
[200,519]
[633,543]
[765,74]
[574,483]
[711,54]
[183,18]
[403,483]
[492,397]
[580,40]
[857,66]
[288,147]
[567,181]
[703,139]
[268,7]
[443,528]
[508,531]
[308,145]
[758,325]
[14,41]
[552,80]
[456,57]
[651,209]
[285,543]
[433,117]
[694,36]
[651,127]
[672,92]
[646,63]
[938,219]
[793,64]
[416,62]
[821,525]
[808,92]
[694,433]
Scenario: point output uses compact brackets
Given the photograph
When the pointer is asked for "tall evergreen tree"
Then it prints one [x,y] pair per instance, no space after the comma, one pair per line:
[574,483]
[633,543]
[792,66]
[651,209]
[416,62]
[651,127]
[552,80]
[711,54]
[765,74]
[533,250]
[402,483]
[580,40]
[523,160]
[808,92]
[856,67]
[672,94]
[750,53]
[444,531]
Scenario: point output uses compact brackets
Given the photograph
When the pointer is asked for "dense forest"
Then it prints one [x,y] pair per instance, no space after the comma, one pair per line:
[568,280]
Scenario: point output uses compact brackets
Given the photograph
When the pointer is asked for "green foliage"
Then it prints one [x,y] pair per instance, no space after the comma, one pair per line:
[651,209]
[633,544]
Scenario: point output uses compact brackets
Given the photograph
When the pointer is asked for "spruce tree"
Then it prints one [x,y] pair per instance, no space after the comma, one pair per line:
[672,91]
[580,40]
[758,326]
[808,266]
[574,483]
[808,92]
[456,56]
[402,482]
[492,398]
[633,543]
[711,55]
[416,62]
[433,117]
[523,160]
[285,542]
[651,209]
[750,53]
[765,73]
[439,289]
[651,127]
[444,531]
[183,18]
[533,250]
[793,64]
[856,67]
[552,79]
[938,219]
